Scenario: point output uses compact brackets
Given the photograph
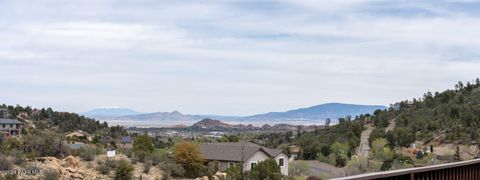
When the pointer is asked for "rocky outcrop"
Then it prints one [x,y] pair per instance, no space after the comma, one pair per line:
[217,176]
[211,124]
[67,168]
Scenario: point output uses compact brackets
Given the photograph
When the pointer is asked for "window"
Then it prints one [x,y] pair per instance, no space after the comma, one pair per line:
[3,125]
[281,162]
[253,164]
[11,125]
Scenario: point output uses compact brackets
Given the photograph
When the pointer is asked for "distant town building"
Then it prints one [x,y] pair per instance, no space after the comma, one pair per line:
[10,127]
[242,154]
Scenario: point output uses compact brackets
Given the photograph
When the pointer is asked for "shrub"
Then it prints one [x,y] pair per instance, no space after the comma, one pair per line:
[5,163]
[50,174]
[172,169]
[18,157]
[267,169]
[157,157]
[104,169]
[111,163]
[88,154]
[146,166]
[234,172]
[124,170]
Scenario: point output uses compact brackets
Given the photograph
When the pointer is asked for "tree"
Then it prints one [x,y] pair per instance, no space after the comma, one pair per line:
[188,156]
[339,151]
[381,151]
[143,146]
[124,170]
[267,169]
[234,172]
[327,122]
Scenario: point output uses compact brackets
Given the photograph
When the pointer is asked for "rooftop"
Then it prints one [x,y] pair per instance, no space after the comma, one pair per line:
[9,121]
[233,151]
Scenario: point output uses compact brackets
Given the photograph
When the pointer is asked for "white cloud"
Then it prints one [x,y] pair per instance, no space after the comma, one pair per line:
[218,57]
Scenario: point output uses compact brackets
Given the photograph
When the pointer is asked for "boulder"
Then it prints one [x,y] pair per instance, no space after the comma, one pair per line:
[221,175]
[72,162]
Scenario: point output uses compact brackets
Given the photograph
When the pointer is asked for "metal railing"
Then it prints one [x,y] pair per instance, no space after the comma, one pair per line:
[464,170]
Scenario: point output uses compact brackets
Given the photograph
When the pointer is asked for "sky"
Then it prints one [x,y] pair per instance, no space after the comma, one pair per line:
[232,57]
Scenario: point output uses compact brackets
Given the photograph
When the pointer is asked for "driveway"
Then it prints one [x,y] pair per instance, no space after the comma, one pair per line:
[317,167]
[364,147]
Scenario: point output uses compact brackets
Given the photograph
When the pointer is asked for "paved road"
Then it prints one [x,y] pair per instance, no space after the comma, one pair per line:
[317,167]
[364,146]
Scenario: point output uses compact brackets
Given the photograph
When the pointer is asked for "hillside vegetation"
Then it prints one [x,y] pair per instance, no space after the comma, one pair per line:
[451,116]
[46,118]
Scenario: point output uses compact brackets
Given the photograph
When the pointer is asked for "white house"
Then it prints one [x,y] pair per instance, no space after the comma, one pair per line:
[242,153]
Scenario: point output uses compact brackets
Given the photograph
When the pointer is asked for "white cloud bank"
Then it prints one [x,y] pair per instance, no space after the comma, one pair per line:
[235,57]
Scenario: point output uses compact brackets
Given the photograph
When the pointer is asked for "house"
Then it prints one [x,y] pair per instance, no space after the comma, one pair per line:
[79,134]
[10,127]
[242,153]
[395,106]
[294,152]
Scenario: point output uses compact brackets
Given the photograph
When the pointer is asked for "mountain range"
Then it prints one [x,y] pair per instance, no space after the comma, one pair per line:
[310,115]
[109,112]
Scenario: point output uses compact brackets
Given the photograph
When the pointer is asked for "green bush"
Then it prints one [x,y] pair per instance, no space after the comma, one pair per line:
[234,172]
[124,170]
[143,146]
[157,157]
[267,169]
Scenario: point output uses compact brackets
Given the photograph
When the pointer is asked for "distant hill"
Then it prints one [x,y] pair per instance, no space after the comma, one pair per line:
[311,115]
[317,113]
[109,112]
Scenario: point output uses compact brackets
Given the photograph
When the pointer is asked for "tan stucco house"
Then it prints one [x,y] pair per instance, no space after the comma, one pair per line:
[229,154]
[79,133]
